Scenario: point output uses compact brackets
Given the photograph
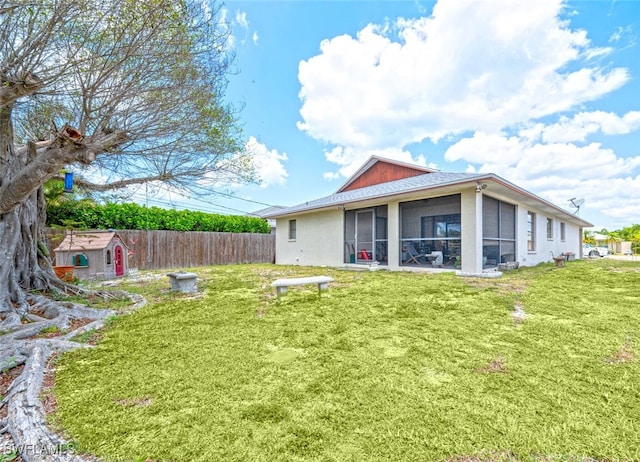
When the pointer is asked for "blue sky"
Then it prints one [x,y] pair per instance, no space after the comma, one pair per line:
[545,94]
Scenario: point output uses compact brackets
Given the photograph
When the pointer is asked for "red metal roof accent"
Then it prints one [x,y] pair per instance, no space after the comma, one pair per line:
[378,170]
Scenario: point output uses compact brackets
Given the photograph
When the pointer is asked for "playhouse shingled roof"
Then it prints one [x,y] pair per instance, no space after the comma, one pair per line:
[86,240]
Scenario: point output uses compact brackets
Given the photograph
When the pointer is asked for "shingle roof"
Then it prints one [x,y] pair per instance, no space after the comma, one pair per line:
[414,183]
[86,240]
[267,211]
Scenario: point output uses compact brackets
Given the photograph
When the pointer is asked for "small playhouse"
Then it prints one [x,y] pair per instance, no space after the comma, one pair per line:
[93,254]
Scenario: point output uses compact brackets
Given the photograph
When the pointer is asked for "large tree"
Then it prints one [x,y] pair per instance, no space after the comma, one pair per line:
[125,91]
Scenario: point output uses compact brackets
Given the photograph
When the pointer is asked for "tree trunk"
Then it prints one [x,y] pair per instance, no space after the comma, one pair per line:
[26,277]
[25,274]
[24,265]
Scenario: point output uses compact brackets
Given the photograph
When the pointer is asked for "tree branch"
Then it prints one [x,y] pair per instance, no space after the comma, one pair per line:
[121,183]
[11,91]
[69,146]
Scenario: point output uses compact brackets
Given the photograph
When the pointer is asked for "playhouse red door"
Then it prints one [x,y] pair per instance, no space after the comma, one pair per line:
[118,260]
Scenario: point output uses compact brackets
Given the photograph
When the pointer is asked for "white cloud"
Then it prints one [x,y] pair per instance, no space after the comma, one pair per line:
[498,78]
[486,148]
[583,124]
[268,163]
[512,62]
[557,171]
[242,22]
[224,24]
[241,19]
[620,33]
[330,176]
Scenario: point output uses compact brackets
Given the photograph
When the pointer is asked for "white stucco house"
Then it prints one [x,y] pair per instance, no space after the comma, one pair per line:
[405,216]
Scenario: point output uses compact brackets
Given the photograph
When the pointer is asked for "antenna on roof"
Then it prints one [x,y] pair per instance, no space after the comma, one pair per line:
[576,203]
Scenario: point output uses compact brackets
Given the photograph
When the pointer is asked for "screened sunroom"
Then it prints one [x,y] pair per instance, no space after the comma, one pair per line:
[498,232]
[430,231]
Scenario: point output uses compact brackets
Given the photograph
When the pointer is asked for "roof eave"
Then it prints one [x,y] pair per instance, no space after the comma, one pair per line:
[481,177]
[374,197]
[507,184]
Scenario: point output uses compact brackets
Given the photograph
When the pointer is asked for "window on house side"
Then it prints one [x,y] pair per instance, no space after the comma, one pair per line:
[562,232]
[292,229]
[549,228]
[531,231]
[108,257]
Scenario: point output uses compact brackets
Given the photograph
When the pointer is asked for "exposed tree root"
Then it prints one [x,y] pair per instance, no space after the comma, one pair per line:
[20,345]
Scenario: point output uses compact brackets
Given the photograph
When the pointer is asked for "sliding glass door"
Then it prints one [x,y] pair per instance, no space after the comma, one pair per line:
[365,235]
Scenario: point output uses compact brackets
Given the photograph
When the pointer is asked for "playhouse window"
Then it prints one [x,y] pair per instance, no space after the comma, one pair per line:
[80,259]
[108,257]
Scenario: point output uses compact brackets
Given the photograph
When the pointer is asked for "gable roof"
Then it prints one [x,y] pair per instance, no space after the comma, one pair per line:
[380,170]
[87,240]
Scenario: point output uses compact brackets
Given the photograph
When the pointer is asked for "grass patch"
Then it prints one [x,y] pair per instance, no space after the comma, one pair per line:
[50,330]
[384,366]
[92,301]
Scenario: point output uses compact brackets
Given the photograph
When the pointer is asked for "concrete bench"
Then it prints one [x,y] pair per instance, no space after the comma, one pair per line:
[282,285]
[183,282]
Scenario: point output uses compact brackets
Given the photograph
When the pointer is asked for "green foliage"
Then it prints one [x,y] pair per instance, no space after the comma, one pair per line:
[86,214]
[50,330]
[9,456]
[588,238]
[54,191]
[384,366]
[628,233]
[86,336]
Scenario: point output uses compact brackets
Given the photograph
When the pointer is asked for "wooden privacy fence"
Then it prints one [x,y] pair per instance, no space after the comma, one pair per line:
[185,249]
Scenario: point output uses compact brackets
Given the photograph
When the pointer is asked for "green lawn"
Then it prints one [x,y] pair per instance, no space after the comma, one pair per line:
[385,366]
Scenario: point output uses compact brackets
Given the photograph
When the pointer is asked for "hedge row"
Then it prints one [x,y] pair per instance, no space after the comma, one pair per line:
[89,215]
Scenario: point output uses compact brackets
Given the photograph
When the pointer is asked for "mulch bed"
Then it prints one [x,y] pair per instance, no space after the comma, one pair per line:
[6,379]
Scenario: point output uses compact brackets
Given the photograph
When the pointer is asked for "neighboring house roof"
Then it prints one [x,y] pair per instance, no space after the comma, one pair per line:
[448,182]
[265,213]
[86,240]
[262,213]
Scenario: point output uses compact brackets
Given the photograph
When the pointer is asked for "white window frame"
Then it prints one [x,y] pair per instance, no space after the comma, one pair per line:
[293,230]
[531,231]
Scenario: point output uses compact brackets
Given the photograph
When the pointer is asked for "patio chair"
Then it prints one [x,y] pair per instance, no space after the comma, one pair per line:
[436,257]
[409,253]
